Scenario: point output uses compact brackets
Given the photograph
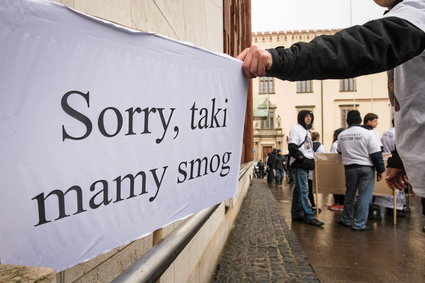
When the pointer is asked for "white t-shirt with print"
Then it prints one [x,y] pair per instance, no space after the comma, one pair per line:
[297,135]
[409,87]
[356,144]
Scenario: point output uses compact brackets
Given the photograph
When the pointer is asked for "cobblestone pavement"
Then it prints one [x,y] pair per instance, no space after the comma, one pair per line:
[261,247]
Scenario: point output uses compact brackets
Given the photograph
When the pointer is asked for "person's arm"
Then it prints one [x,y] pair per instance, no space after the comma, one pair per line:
[395,161]
[376,46]
[396,175]
[378,162]
[295,152]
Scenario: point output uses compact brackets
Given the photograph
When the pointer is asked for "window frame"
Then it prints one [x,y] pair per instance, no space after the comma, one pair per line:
[348,85]
[305,86]
[344,109]
[266,85]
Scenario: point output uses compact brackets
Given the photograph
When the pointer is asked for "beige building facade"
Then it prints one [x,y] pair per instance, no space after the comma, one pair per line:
[277,102]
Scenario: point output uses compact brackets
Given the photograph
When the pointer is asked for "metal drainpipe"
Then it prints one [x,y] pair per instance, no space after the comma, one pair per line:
[155,262]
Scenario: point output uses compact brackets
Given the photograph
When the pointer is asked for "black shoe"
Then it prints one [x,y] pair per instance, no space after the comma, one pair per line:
[365,228]
[298,219]
[314,222]
[342,223]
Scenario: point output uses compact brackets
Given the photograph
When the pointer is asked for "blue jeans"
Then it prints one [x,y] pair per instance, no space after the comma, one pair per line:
[361,181]
[279,176]
[300,204]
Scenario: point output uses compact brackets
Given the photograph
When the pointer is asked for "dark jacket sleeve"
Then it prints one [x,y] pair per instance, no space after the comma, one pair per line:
[295,152]
[378,161]
[395,161]
[374,47]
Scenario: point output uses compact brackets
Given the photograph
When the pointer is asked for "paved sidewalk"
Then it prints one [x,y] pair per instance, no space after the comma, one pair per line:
[261,247]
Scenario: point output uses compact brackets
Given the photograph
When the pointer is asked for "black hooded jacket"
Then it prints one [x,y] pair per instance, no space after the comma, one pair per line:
[376,46]
[301,118]
[294,148]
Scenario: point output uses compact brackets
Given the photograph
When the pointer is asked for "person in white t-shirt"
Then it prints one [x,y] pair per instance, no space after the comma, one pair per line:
[388,139]
[361,155]
[370,122]
[301,160]
[397,40]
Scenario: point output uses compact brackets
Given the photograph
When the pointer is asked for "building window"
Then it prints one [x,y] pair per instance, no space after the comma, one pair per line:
[347,85]
[344,110]
[268,123]
[266,85]
[304,86]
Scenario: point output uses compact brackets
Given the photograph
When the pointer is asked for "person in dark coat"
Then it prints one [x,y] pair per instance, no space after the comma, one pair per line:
[278,167]
[260,165]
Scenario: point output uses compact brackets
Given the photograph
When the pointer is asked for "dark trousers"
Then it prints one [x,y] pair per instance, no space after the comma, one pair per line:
[291,175]
[261,169]
[310,193]
[270,176]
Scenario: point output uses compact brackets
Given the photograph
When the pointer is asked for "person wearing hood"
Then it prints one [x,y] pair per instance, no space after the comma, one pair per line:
[394,42]
[300,146]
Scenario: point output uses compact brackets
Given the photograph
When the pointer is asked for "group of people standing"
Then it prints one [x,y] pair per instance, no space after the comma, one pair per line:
[361,156]
[361,148]
[361,152]
[276,164]
[394,43]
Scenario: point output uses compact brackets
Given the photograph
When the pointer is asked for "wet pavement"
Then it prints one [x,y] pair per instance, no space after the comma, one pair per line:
[261,247]
[265,246]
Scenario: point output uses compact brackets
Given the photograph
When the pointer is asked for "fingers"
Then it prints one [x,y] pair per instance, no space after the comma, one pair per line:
[243,54]
[250,64]
[405,180]
[390,173]
[262,64]
[395,179]
[396,183]
[256,62]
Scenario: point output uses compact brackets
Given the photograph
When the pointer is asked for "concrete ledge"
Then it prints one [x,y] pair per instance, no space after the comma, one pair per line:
[19,273]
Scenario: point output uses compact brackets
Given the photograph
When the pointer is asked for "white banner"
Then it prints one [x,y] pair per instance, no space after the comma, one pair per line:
[107,133]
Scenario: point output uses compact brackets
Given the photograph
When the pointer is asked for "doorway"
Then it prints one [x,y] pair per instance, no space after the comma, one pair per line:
[266,151]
